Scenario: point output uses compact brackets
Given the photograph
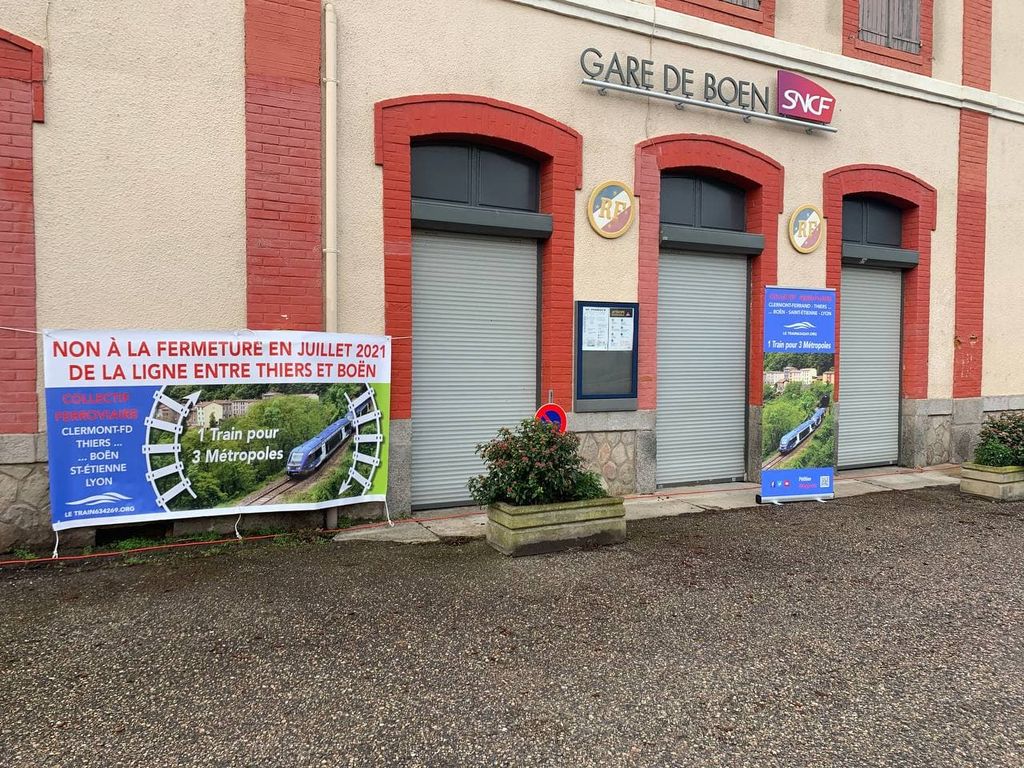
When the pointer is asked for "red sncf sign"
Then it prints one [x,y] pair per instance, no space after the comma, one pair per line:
[804,99]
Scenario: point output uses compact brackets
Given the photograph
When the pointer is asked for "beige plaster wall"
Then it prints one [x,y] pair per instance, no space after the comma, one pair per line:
[480,50]
[812,23]
[1003,370]
[948,41]
[1007,26]
[140,165]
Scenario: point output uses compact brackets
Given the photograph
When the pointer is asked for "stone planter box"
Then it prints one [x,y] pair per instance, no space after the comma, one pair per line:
[999,483]
[543,528]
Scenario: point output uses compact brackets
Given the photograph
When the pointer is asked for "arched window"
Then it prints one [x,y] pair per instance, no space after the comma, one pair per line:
[467,174]
[476,189]
[873,233]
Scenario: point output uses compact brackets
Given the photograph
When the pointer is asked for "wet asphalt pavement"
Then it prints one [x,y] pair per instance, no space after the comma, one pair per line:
[878,630]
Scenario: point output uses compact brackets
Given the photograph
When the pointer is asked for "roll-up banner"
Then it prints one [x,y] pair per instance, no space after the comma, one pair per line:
[797,422]
[160,425]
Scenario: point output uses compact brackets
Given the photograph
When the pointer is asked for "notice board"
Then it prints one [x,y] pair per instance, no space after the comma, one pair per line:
[606,356]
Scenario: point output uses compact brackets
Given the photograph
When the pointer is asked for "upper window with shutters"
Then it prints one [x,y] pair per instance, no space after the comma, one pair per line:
[892,23]
[897,33]
[752,15]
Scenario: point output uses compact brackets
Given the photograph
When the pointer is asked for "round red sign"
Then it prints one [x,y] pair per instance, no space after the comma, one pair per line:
[553,414]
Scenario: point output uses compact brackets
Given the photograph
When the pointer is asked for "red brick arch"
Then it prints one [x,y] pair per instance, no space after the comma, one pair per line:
[21,104]
[918,201]
[559,150]
[738,164]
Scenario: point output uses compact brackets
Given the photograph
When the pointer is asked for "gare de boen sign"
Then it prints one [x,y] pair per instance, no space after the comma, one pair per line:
[799,101]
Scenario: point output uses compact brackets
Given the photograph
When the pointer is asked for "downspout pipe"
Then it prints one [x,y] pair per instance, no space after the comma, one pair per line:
[330,171]
[330,168]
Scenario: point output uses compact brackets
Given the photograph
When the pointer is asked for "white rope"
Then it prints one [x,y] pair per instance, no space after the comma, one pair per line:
[237,534]
[387,512]
[56,543]
[22,330]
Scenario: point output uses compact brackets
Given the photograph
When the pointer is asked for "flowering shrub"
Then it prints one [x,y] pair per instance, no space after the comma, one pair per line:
[533,464]
[1002,441]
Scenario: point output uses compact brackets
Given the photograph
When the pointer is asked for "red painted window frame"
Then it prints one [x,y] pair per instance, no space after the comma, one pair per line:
[557,147]
[761,20]
[918,200]
[856,48]
[762,178]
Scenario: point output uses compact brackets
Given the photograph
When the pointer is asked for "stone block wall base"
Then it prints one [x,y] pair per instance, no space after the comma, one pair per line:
[25,509]
[518,531]
[998,483]
[612,455]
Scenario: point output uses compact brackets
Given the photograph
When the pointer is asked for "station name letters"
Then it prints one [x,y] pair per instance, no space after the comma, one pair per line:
[637,72]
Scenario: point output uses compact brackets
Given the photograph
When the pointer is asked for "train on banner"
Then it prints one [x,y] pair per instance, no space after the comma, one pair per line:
[160,425]
[798,430]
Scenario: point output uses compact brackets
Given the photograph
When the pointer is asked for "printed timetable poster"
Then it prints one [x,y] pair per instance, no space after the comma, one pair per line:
[797,422]
[158,425]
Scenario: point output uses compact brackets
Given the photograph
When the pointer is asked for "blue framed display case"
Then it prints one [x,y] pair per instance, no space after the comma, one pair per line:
[607,333]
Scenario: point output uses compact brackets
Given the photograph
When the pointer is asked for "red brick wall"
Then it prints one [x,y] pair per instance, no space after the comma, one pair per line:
[912,62]
[283,189]
[978,44]
[761,20]
[21,102]
[971,202]
[476,118]
[972,195]
[762,177]
[918,201]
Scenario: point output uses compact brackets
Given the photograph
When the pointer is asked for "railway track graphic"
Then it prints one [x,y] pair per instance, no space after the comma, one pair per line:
[173,448]
[368,462]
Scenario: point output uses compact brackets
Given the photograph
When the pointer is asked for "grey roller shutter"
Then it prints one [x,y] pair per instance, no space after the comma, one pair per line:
[702,366]
[869,367]
[474,354]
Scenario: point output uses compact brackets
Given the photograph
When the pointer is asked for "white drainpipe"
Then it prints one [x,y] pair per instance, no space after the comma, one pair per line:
[330,170]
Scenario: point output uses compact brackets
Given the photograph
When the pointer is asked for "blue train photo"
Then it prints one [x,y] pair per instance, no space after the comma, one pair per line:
[307,458]
[794,437]
[310,456]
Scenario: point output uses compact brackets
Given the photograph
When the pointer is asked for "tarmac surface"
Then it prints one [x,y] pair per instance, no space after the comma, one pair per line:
[877,630]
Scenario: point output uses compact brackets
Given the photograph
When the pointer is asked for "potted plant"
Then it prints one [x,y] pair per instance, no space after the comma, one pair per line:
[538,496]
[997,471]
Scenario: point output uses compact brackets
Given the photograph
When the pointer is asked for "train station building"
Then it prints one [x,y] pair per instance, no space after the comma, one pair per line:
[440,173]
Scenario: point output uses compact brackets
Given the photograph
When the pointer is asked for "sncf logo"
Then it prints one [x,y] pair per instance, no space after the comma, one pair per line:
[804,99]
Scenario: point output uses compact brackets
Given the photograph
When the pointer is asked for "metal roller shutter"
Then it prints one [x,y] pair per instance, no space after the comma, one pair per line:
[869,367]
[474,309]
[702,367]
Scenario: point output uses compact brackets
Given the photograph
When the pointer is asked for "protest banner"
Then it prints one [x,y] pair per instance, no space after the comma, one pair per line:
[157,425]
[797,419]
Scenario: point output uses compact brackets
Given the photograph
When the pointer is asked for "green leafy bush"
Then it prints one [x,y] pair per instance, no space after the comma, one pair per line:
[1001,441]
[533,464]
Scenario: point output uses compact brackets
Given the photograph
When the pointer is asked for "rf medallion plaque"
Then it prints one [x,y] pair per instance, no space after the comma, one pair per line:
[610,210]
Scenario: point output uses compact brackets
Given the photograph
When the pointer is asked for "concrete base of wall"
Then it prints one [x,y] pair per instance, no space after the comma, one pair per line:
[941,431]
[400,467]
[25,497]
[620,447]
[753,444]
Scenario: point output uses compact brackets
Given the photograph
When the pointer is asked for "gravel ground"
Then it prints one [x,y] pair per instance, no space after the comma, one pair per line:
[878,630]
